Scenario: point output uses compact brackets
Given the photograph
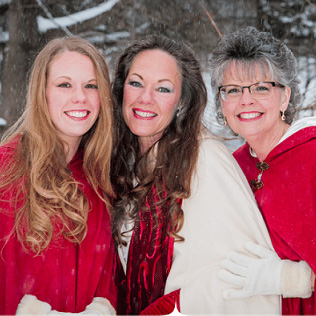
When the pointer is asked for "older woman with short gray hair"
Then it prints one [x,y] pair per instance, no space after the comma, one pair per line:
[254,77]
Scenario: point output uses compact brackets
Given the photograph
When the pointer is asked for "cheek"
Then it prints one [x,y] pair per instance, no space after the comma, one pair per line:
[226,110]
[128,95]
[51,107]
[124,111]
[222,105]
[169,111]
[94,100]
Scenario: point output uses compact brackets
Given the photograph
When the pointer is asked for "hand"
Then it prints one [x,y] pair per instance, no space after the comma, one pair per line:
[259,275]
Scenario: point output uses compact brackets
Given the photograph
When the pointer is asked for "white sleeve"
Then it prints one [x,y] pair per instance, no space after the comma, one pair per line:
[220,215]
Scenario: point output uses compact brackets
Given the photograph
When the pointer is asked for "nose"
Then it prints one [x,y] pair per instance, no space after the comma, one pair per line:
[146,96]
[247,97]
[79,95]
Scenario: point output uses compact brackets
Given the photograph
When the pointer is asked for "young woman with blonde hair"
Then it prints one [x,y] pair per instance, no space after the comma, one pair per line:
[55,238]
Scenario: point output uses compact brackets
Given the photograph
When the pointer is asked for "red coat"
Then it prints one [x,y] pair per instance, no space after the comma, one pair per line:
[66,275]
[287,201]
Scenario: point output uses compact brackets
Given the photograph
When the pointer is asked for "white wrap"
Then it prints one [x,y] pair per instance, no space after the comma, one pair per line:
[220,215]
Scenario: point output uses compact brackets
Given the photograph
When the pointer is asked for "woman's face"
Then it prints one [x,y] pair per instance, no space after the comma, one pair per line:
[72,96]
[249,116]
[152,91]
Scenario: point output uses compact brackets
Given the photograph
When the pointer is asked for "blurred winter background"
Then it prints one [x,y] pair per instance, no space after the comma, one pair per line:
[26,25]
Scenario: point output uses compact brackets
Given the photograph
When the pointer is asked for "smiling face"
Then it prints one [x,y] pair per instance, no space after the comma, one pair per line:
[152,91]
[72,96]
[250,117]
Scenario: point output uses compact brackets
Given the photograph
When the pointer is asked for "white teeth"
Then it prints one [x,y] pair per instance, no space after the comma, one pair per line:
[77,113]
[249,115]
[144,114]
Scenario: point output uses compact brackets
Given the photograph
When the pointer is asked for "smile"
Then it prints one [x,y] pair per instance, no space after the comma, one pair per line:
[142,114]
[249,116]
[78,114]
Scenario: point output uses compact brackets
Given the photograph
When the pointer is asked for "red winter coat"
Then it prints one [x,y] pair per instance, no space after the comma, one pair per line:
[287,201]
[65,275]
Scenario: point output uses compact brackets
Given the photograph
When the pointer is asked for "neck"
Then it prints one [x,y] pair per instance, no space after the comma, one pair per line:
[70,151]
[262,145]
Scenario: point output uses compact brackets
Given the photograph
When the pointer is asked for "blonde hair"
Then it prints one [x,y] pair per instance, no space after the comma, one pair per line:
[39,161]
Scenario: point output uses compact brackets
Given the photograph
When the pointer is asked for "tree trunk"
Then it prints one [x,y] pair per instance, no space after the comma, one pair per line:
[23,41]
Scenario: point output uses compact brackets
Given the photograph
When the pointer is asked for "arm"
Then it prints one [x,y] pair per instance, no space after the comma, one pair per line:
[264,273]
[221,213]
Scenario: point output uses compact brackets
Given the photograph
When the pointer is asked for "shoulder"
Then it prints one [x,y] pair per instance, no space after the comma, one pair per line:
[210,143]
[241,151]
[212,150]
[215,159]
[301,141]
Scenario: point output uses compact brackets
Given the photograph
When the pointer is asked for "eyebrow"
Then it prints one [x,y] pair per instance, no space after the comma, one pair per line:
[69,78]
[160,80]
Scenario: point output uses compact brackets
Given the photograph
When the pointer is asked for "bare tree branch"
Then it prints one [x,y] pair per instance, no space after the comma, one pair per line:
[210,17]
[310,3]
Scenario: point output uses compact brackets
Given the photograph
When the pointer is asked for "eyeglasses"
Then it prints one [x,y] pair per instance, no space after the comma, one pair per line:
[259,90]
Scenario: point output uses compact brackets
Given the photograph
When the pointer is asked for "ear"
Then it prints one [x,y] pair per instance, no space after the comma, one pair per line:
[285,98]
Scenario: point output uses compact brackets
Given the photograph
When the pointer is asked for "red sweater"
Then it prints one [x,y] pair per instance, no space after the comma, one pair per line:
[287,201]
[65,275]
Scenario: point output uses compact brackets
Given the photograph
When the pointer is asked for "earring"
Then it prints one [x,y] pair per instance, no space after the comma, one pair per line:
[283,116]
[225,121]
[179,110]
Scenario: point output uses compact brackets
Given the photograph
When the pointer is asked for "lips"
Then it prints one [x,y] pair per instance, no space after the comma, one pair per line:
[144,114]
[77,114]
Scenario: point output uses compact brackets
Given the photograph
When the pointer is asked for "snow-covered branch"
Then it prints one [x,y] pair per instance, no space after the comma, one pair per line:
[3,122]
[5,2]
[52,19]
[45,24]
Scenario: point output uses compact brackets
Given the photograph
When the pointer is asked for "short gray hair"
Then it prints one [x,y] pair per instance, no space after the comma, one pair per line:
[250,47]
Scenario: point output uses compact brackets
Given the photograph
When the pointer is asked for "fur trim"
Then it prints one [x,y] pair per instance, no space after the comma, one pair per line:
[30,305]
[102,306]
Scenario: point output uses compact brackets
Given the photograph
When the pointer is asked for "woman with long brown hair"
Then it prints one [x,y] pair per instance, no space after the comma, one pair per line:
[182,199]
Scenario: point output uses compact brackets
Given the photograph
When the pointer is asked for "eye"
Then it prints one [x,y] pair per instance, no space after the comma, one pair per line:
[135,84]
[233,90]
[64,85]
[164,90]
[262,88]
[91,86]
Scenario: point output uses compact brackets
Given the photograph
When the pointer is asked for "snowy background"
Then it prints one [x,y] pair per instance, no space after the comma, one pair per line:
[26,25]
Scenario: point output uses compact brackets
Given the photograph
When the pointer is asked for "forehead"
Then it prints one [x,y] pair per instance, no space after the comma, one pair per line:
[70,60]
[247,71]
[156,62]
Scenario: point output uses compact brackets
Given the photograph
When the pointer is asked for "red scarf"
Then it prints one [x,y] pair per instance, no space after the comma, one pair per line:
[149,260]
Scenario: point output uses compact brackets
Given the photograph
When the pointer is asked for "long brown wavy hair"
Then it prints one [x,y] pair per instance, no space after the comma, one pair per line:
[44,189]
[175,153]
